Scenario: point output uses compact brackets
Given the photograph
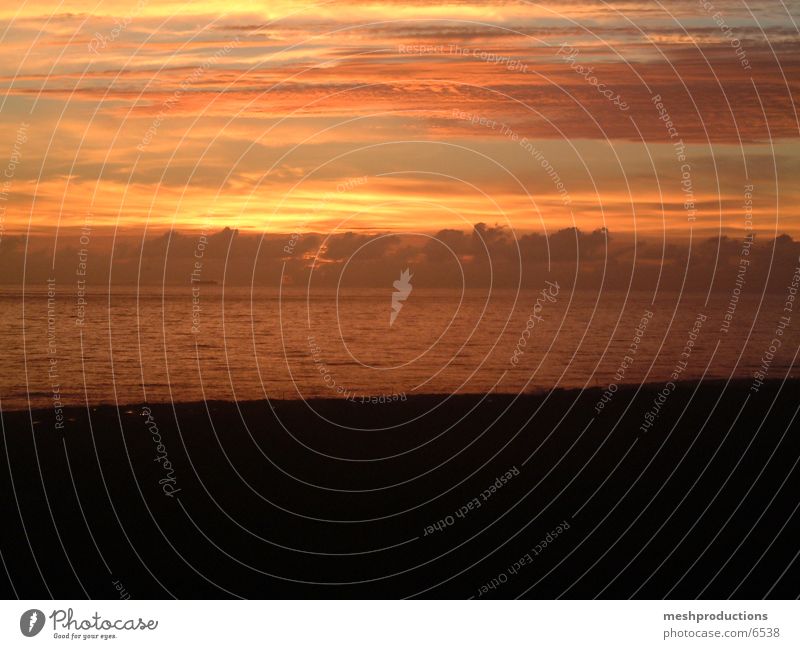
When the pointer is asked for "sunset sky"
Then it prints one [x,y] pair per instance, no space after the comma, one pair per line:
[413,116]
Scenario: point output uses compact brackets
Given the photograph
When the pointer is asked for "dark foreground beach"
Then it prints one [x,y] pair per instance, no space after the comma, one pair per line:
[538,496]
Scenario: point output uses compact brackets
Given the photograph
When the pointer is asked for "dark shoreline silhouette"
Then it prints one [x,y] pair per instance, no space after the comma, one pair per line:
[283,500]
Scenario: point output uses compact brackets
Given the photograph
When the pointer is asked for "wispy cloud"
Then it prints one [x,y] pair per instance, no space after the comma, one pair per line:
[313,94]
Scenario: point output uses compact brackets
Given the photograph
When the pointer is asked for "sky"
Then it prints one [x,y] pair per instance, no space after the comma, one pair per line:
[652,119]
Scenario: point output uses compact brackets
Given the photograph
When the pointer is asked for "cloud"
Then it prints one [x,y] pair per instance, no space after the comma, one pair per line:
[314,95]
[485,256]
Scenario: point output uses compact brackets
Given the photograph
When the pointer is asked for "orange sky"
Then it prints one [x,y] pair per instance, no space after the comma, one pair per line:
[399,116]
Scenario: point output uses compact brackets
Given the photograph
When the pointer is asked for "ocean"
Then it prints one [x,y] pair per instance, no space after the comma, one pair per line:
[134,345]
